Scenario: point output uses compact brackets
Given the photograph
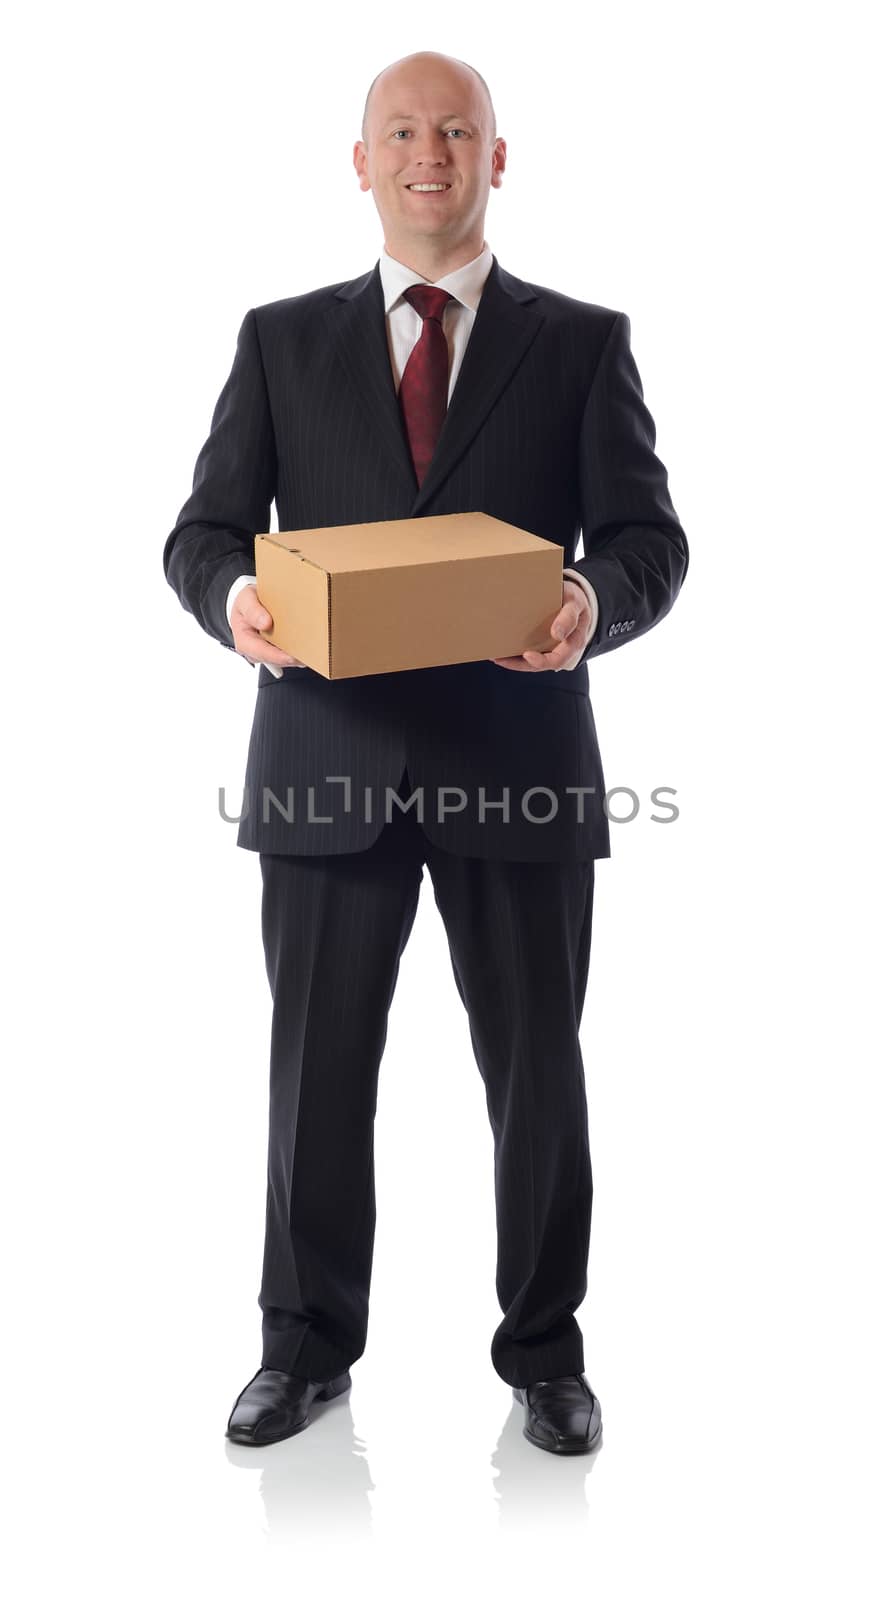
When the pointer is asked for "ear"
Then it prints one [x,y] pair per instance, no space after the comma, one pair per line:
[498,163]
[359,161]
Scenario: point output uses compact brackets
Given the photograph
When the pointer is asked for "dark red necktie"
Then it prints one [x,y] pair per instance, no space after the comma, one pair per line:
[423,393]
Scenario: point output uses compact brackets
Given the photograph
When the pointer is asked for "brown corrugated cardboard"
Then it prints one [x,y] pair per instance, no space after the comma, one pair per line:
[416,592]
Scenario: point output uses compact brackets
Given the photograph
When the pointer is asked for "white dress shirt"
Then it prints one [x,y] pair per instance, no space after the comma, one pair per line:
[404,326]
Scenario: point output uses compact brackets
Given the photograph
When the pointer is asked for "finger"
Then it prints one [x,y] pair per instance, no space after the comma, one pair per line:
[258,649]
[280,658]
[565,622]
[250,640]
[552,660]
[251,611]
[247,612]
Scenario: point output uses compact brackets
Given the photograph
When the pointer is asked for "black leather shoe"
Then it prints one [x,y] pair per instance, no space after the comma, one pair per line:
[275,1405]
[561,1414]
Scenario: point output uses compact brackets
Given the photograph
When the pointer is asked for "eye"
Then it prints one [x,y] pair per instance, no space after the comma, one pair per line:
[464,132]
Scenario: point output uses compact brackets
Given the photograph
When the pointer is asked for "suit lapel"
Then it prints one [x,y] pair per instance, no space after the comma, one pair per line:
[357,324]
[504,327]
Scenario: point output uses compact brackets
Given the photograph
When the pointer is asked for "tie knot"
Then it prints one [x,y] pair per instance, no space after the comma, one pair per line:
[427,300]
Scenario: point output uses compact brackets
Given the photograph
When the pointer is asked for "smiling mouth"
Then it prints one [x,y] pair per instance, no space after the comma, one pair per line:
[427,188]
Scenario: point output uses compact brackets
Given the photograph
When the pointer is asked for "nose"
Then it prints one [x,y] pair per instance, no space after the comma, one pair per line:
[428,152]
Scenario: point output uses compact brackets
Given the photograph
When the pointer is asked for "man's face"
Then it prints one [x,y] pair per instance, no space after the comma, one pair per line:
[429,124]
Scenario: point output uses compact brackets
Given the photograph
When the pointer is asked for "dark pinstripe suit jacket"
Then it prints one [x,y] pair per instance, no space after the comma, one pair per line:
[546,428]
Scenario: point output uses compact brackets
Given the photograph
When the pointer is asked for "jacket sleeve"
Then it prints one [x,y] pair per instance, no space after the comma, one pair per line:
[234,485]
[635,550]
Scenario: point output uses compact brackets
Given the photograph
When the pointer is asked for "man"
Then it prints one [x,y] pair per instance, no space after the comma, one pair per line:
[438,382]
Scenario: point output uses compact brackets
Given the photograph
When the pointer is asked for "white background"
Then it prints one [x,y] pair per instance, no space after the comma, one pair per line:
[713,172]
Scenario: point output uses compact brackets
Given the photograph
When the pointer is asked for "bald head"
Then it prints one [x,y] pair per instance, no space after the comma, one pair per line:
[430,155]
[431,57]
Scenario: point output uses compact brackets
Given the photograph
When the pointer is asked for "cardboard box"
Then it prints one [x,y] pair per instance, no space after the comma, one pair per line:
[416,592]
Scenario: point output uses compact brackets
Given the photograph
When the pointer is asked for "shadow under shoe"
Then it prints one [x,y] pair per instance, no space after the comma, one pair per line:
[274,1405]
[561,1414]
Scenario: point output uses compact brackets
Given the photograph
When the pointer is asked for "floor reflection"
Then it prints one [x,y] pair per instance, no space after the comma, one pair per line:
[320,1480]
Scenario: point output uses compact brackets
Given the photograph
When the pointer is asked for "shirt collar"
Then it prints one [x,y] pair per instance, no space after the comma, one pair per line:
[465,283]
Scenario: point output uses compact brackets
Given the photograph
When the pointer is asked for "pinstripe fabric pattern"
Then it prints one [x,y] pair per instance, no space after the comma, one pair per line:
[546,428]
[519,941]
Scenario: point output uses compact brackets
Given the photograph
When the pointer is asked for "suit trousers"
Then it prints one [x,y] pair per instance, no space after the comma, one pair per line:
[334,929]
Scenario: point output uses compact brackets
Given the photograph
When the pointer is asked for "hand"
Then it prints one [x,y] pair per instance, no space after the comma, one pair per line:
[248,616]
[570,627]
